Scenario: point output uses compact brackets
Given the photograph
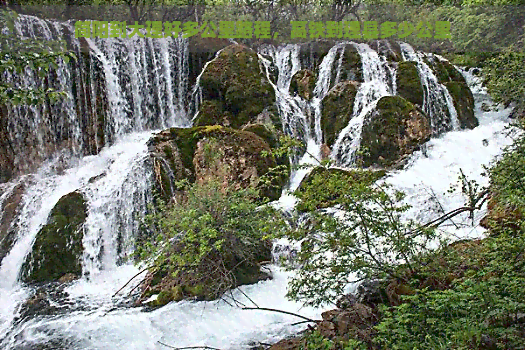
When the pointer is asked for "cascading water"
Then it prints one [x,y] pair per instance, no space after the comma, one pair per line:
[377,83]
[124,88]
[437,102]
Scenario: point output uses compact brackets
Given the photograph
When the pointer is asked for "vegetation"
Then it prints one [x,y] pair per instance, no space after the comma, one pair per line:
[27,56]
[209,240]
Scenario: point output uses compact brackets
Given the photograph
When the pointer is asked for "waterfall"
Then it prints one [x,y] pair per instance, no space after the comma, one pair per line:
[437,102]
[95,141]
[377,83]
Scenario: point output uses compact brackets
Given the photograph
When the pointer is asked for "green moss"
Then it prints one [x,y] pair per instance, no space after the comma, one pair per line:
[351,67]
[394,129]
[337,109]
[58,246]
[236,87]
[303,84]
[464,104]
[409,83]
[315,188]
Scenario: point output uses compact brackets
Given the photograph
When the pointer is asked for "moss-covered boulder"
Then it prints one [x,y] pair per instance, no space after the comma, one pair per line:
[337,109]
[325,194]
[180,153]
[458,88]
[303,84]
[408,82]
[203,282]
[234,89]
[388,48]
[464,104]
[351,65]
[58,245]
[392,131]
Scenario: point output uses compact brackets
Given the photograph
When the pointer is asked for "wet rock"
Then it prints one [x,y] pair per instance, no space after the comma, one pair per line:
[234,89]
[303,84]
[408,82]
[464,104]
[388,48]
[337,109]
[180,154]
[394,130]
[458,88]
[58,245]
[9,211]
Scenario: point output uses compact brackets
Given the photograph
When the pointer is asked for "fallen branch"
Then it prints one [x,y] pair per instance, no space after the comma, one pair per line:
[188,347]
[131,279]
[279,311]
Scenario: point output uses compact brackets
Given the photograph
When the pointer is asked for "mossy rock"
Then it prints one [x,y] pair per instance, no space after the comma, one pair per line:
[201,282]
[392,131]
[388,48]
[464,104]
[325,194]
[311,54]
[177,155]
[303,84]
[445,71]
[351,65]
[408,82]
[237,86]
[337,109]
[58,246]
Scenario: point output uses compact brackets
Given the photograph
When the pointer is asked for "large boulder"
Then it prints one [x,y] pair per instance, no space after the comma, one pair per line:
[303,84]
[393,130]
[408,82]
[337,109]
[58,249]
[458,88]
[234,89]
[180,153]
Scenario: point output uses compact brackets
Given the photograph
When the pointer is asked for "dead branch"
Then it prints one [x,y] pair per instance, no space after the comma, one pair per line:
[188,347]
[131,279]
[279,311]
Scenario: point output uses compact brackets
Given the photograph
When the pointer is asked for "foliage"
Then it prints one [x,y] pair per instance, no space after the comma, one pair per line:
[27,56]
[209,233]
[505,78]
[482,307]
[364,236]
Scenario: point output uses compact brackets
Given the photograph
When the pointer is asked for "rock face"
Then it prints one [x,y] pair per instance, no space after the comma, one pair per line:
[303,84]
[8,211]
[408,82]
[393,130]
[57,250]
[180,154]
[459,90]
[234,89]
[337,109]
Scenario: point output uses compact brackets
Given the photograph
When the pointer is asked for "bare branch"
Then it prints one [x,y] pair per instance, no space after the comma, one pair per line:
[279,311]
[188,347]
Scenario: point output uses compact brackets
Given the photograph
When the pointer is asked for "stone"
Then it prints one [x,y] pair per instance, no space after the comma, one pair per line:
[178,153]
[337,109]
[234,89]
[58,245]
[392,131]
[303,84]
[408,82]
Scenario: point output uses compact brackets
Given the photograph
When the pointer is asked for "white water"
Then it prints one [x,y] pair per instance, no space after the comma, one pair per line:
[437,102]
[376,85]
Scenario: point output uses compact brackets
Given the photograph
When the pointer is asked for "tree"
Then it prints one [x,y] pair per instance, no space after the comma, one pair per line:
[18,56]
